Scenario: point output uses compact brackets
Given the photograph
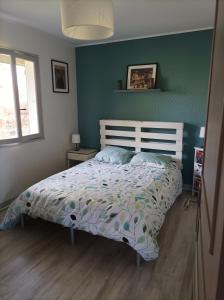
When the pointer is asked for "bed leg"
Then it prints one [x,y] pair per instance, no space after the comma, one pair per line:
[138,260]
[22,222]
[72,235]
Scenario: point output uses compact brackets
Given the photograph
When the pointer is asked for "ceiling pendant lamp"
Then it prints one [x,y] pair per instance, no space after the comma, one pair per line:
[87,19]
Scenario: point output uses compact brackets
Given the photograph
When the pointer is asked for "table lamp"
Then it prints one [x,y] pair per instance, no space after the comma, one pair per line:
[76,141]
[202,132]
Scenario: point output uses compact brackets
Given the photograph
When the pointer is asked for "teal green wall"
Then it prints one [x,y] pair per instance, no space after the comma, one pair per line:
[183,72]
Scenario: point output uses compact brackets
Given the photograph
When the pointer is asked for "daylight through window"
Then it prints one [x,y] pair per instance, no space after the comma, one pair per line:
[20,107]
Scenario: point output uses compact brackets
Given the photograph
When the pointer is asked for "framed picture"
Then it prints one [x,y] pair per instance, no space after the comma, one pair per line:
[141,77]
[60,79]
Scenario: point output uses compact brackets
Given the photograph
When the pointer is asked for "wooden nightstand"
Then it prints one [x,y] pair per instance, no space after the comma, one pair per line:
[80,155]
[198,162]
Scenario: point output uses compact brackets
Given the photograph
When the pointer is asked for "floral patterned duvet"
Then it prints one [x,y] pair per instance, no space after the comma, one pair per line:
[125,203]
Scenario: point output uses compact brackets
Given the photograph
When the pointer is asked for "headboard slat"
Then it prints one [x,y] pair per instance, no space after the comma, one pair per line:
[139,134]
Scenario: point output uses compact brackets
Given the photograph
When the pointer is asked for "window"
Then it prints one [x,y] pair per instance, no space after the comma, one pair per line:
[20,103]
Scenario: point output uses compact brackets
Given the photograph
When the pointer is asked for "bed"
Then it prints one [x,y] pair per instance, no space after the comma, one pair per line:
[123,202]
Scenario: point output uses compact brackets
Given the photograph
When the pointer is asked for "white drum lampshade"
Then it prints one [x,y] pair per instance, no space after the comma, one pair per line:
[76,140]
[87,19]
[202,132]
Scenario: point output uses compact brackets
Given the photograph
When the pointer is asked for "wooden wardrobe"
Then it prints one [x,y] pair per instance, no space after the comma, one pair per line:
[209,266]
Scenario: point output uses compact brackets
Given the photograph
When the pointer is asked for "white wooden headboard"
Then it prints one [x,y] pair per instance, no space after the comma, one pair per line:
[139,135]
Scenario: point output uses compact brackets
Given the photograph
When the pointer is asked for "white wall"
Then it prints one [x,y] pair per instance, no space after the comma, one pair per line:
[24,164]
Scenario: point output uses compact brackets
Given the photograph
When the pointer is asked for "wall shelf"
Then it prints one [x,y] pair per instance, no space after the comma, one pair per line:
[138,91]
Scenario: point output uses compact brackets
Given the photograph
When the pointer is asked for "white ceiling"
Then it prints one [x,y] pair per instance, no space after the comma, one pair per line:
[133,18]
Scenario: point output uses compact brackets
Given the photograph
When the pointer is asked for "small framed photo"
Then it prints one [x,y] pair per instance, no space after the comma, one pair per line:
[141,77]
[60,80]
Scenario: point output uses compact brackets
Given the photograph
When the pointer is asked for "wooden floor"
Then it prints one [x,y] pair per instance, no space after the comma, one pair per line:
[38,262]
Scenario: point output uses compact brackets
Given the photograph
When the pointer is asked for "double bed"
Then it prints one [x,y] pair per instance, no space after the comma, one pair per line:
[123,202]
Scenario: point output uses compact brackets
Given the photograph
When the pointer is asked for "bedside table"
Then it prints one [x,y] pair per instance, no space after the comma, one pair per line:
[198,163]
[80,155]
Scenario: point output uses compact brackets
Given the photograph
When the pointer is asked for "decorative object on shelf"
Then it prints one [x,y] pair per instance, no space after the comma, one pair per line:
[119,85]
[198,163]
[76,141]
[87,19]
[141,76]
[60,80]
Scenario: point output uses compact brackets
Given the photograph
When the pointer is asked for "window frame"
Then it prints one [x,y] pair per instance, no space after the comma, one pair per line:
[35,59]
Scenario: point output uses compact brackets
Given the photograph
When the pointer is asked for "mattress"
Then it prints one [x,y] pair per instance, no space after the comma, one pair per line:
[126,203]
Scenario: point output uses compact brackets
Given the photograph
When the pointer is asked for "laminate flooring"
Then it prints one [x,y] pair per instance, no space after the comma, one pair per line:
[38,262]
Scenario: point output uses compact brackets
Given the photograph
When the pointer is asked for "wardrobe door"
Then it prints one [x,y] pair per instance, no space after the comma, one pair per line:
[211,220]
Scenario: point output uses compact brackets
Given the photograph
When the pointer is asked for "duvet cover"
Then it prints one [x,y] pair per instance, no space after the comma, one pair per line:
[126,203]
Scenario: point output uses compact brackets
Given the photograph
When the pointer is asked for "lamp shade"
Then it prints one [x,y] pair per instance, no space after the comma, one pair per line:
[202,132]
[87,19]
[75,138]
